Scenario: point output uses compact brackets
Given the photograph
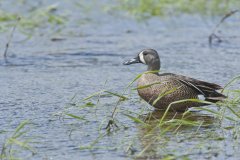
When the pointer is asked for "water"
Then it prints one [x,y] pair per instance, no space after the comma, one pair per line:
[42,76]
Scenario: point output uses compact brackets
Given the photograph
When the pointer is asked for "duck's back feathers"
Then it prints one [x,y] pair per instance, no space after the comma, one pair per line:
[208,90]
[183,88]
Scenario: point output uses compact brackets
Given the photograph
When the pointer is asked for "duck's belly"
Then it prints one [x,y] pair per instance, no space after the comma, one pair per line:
[163,92]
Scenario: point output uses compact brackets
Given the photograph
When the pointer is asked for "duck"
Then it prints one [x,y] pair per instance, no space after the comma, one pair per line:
[172,91]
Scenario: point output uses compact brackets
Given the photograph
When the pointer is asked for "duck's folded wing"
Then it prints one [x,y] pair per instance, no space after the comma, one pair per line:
[199,82]
[208,90]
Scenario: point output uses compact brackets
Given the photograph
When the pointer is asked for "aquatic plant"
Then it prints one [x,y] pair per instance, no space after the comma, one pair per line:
[17,142]
[34,19]
[157,126]
[146,9]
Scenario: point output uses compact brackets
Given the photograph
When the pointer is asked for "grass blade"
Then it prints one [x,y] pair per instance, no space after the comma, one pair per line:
[135,119]
[22,125]
[123,98]
[74,116]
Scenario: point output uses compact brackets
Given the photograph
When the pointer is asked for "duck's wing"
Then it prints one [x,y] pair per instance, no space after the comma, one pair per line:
[199,83]
[206,89]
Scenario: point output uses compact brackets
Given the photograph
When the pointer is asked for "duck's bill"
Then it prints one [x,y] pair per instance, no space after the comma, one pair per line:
[132,61]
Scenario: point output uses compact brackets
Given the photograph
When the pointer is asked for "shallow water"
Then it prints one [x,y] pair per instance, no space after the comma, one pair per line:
[41,77]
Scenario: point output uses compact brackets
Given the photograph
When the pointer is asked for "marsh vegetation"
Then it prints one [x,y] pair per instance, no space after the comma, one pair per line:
[65,93]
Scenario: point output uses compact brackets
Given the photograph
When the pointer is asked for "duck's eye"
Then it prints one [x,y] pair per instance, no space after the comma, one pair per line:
[144,53]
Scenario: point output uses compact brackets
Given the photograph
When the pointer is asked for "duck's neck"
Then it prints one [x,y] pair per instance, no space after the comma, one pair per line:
[154,66]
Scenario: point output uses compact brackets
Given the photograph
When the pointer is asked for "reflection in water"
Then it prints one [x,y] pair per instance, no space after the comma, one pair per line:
[158,134]
[156,115]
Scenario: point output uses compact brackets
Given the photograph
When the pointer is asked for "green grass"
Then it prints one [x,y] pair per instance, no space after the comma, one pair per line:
[52,20]
[158,127]
[49,17]
[41,17]
[17,142]
[146,9]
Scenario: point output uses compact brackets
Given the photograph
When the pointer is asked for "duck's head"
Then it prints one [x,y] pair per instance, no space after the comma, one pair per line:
[147,56]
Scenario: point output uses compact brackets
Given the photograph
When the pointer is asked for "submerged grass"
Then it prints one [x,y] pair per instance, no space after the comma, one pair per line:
[145,9]
[159,127]
[41,17]
[16,143]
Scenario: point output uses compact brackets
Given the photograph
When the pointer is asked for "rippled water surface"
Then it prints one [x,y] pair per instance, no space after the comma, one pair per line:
[42,77]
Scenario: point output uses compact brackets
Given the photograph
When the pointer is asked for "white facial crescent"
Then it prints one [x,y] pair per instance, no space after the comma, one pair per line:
[141,57]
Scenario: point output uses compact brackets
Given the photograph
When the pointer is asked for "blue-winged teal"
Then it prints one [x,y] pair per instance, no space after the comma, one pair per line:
[160,90]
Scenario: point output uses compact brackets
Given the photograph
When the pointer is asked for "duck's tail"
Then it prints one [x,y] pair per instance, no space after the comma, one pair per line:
[215,97]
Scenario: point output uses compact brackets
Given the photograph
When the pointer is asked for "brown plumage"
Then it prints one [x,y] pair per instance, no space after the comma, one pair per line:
[160,90]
